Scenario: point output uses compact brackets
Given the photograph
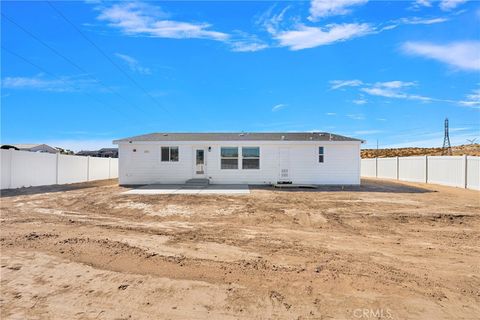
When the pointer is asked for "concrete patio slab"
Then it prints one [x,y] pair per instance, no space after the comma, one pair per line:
[227,189]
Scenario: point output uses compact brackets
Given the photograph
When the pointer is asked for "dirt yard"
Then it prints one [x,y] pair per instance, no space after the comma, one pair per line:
[381,251]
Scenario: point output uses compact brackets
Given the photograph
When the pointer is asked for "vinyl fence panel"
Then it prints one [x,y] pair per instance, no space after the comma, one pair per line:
[33,169]
[387,168]
[455,171]
[473,173]
[98,168]
[6,163]
[113,168]
[448,171]
[26,169]
[72,169]
[412,169]
[369,168]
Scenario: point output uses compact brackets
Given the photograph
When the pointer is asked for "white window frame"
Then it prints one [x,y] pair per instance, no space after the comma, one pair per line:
[170,154]
[230,158]
[250,158]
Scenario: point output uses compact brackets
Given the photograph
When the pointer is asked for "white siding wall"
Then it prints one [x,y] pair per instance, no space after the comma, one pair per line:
[447,170]
[473,173]
[341,166]
[387,168]
[412,169]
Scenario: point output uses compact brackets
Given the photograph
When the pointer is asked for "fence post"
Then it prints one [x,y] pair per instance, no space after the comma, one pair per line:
[465,168]
[426,169]
[398,168]
[88,168]
[376,167]
[109,167]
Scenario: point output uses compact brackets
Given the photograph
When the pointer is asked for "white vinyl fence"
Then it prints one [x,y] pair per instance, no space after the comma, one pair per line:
[455,171]
[27,169]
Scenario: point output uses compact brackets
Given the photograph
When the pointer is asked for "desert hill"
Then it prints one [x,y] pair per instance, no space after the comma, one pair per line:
[468,149]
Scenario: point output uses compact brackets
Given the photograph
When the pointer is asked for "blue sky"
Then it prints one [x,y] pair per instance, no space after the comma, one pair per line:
[80,74]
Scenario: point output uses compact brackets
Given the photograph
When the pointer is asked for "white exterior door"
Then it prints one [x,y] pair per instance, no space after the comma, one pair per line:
[284,164]
[200,163]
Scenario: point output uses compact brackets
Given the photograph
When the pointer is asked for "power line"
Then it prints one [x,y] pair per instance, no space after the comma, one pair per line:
[70,61]
[57,77]
[107,57]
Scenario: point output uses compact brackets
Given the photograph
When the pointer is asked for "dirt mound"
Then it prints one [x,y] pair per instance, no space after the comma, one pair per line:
[467,149]
[399,249]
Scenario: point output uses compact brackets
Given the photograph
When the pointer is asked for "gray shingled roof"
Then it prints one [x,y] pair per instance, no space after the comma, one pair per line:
[239,136]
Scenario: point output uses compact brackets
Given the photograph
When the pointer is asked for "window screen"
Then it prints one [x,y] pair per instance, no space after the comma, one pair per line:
[251,158]
[321,154]
[229,158]
[169,154]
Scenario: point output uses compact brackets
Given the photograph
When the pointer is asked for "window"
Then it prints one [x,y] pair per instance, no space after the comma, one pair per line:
[229,158]
[321,154]
[169,154]
[251,158]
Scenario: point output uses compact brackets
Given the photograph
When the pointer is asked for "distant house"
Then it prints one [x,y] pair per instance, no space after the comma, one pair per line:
[102,153]
[252,158]
[32,147]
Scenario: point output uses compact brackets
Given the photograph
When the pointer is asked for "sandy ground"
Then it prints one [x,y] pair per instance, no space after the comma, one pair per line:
[381,251]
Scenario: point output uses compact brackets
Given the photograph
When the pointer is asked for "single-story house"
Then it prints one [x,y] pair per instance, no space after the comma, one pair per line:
[102,153]
[32,147]
[232,158]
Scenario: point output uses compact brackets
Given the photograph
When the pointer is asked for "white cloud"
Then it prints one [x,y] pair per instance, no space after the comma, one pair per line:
[417,20]
[423,3]
[304,37]
[325,8]
[462,55]
[447,5]
[337,84]
[133,64]
[40,83]
[367,132]
[394,89]
[242,46]
[139,19]
[472,99]
[331,114]
[381,119]
[357,116]
[394,84]
[360,101]
[271,22]
[279,107]
[398,90]
[244,42]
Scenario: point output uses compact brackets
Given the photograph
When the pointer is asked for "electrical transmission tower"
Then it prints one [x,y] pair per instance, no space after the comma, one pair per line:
[447,149]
